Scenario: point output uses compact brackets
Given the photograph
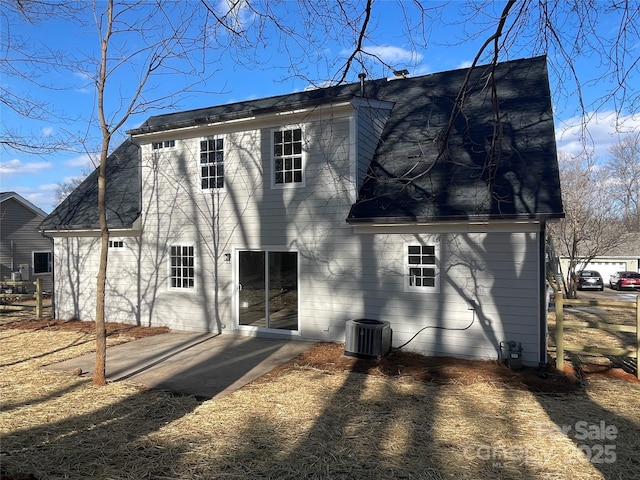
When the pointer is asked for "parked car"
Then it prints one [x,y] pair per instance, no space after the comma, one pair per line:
[620,280]
[588,279]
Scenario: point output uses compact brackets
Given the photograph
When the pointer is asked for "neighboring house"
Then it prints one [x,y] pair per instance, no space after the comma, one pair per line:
[24,251]
[625,257]
[293,214]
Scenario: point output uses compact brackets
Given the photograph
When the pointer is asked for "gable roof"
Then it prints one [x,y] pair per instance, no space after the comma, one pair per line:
[407,180]
[79,210]
[23,201]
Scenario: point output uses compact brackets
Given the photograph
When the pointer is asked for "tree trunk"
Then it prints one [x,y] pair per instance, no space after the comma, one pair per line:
[99,371]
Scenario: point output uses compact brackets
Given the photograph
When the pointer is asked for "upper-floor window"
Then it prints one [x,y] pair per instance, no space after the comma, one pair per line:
[41,262]
[422,265]
[164,144]
[287,162]
[212,163]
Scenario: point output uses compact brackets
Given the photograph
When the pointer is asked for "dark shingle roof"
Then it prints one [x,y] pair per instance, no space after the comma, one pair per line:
[407,181]
[80,209]
[23,201]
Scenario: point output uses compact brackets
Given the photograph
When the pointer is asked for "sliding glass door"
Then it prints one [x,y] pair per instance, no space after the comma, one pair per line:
[268,289]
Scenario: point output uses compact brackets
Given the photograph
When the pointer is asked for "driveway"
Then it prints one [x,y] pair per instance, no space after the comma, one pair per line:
[203,365]
[609,295]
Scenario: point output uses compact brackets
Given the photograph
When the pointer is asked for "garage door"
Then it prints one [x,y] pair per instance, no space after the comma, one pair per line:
[606,269]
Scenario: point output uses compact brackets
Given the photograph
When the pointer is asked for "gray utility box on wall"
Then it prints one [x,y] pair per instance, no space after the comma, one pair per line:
[367,338]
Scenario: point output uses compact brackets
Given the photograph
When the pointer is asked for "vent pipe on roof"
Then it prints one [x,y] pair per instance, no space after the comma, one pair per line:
[362,76]
[401,73]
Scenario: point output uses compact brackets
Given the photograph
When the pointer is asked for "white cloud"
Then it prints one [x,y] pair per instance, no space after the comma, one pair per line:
[595,133]
[80,161]
[395,55]
[87,87]
[422,69]
[236,14]
[47,131]
[41,196]
[465,64]
[16,167]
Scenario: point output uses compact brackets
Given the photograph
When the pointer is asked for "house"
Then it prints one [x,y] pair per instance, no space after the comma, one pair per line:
[294,214]
[625,257]
[25,254]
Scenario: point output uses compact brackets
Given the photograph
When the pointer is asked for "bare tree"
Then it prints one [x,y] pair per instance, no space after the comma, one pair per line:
[623,185]
[64,188]
[168,35]
[588,229]
[161,41]
[25,70]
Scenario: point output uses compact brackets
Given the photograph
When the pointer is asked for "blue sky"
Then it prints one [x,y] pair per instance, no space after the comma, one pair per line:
[450,43]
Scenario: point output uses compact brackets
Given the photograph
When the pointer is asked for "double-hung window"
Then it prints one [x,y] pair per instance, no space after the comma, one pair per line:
[288,160]
[182,274]
[212,163]
[422,274]
[41,263]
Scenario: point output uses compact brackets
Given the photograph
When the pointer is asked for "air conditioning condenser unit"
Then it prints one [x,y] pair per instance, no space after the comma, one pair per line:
[367,338]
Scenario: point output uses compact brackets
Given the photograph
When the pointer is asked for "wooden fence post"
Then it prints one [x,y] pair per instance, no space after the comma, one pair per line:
[559,332]
[38,298]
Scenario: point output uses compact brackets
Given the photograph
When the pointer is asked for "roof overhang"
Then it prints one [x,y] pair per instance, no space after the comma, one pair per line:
[451,226]
[246,116]
[94,230]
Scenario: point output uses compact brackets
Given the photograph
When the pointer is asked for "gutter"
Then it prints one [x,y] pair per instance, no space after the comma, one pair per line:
[239,116]
[466,219]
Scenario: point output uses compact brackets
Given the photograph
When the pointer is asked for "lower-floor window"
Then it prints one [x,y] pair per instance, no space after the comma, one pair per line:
[422,268]
[41,262]
[182,275]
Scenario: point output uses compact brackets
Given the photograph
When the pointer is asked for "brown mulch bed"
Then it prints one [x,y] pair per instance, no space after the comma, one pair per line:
[113,329]
[330,358]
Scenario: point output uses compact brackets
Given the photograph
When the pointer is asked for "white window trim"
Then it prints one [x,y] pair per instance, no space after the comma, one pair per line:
[33,262]
[224,163]
[113,248]
[279,186]
[163,144]
[193,289]
[405,252]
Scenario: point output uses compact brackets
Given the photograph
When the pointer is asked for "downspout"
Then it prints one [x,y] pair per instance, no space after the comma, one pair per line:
[542,359]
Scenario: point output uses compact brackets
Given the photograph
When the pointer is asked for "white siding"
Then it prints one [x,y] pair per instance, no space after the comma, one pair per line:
[343,274]
[493,273]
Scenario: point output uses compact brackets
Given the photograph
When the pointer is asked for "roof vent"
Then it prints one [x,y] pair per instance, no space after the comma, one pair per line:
[401,73]
[362,76]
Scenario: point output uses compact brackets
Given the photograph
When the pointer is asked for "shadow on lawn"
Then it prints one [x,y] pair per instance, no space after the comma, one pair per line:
[362,431]
[110,441]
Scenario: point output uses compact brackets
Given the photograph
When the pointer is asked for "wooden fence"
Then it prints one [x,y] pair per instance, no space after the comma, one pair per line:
[561,347]
[38,294]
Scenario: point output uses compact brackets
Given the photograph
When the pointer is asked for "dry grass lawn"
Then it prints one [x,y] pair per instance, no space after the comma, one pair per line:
[312,418]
